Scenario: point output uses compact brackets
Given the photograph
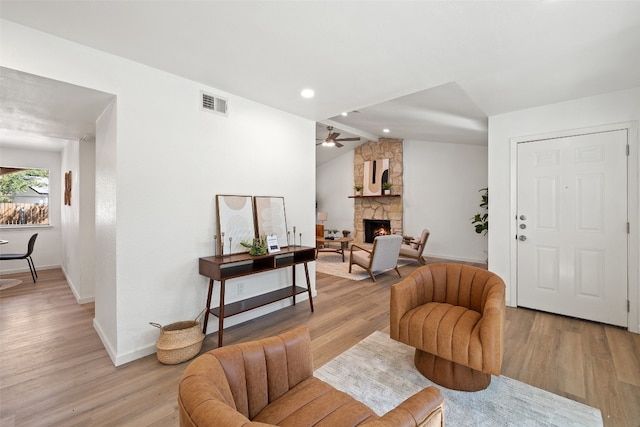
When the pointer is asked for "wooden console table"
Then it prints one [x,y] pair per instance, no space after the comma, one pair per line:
[223,268]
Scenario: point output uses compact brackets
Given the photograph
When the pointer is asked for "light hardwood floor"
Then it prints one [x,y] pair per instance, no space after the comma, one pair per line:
[55,371]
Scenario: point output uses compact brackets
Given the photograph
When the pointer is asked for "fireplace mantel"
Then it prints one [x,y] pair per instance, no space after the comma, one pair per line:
[378,206]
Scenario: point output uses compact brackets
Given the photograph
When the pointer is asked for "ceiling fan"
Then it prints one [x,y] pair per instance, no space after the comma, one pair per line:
[332,139]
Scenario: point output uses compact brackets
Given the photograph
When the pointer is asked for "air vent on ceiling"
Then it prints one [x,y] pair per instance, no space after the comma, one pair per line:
[213,103]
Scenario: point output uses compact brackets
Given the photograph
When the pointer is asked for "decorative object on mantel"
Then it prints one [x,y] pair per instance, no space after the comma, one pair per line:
[358,189]
[386,188]
[376,172]
[481,221]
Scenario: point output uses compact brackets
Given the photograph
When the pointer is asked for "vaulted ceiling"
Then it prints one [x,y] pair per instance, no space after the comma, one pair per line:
[426,70]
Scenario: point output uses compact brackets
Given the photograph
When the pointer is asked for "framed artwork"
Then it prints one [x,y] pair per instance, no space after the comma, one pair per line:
[271,218]
[67,188]
[376,172]
[235,223]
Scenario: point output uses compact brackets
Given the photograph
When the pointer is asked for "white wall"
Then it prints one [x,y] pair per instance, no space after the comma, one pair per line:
[602,110]
[78,220]
[47,250]
[334,185]
[441,183]
[86,191]
[160,161]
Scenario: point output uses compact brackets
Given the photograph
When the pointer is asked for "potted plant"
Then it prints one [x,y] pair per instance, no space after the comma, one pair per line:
[358,189]
[386,187]
[257,247]
[481,220]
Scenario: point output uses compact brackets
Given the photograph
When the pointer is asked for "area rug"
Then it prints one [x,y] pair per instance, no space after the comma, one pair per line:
[9,283]
[379,372]
[331,263]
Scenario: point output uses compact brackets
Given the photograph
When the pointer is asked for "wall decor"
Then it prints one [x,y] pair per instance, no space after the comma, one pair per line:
[376,172]
[235,223]
[67,188]
[271,218]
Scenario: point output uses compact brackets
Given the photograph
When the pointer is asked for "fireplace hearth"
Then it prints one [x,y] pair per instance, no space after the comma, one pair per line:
[374,228]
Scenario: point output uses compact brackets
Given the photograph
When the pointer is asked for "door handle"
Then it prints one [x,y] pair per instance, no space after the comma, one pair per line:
[522,237]
[523,217]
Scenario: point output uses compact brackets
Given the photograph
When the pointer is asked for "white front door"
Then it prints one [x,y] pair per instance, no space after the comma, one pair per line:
[572,226]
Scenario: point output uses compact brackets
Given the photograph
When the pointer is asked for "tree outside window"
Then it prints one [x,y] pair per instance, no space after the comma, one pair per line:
[24,196]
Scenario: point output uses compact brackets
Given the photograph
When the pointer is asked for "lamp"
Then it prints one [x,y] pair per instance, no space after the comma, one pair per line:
[322,217]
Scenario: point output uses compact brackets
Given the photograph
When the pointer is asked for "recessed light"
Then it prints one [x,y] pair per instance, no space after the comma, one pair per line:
[345,114]
[307,93]
[385,130]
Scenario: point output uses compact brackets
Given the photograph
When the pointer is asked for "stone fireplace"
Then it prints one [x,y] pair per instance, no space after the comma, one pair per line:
[374,228]
[379,207]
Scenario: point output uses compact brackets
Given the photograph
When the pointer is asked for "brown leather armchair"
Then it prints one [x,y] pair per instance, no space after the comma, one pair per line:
[453,315]
[270,382]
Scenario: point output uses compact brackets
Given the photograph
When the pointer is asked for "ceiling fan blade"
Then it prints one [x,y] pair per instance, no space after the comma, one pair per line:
[348,139]
[333,136]
[338,144]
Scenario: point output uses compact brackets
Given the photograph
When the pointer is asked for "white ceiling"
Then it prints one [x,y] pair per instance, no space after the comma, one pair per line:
[43,114]
[427,70]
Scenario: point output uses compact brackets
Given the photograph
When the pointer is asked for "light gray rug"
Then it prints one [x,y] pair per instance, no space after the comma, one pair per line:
[379,372]
[9,283]
[331,263]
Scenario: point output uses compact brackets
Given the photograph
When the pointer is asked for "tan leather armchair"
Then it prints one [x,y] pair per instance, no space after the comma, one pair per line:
[270,382]
[415,248]
[382,257]
[453,315]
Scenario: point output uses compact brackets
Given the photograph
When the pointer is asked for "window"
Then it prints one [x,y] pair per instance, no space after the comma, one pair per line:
[24,196]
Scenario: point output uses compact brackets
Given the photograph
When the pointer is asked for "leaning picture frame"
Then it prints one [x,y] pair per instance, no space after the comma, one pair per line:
[235,222]
[271,218]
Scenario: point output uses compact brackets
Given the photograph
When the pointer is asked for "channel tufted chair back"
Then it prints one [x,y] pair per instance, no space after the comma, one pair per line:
[453,315]
[270,382]
[249,377]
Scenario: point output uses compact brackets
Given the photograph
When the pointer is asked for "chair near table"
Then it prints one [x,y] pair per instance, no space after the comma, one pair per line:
[382,257]
[415,248]
[27,256]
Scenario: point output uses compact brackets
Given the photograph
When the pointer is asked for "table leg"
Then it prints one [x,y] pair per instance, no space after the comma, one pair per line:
[221,318]
[293,287]
[206,314]
[306,272]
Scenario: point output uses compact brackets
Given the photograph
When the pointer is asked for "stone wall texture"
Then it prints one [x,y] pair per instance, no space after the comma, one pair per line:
[379,207]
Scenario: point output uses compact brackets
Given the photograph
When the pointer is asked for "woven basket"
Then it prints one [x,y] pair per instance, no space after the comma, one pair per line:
[179,341]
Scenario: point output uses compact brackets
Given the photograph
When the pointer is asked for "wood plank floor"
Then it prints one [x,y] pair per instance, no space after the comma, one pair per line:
[55,371]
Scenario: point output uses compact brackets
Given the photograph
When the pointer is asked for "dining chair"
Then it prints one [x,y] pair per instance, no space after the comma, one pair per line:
[27,256]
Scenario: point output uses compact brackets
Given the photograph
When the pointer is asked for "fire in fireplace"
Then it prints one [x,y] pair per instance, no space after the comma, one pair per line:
[374,228]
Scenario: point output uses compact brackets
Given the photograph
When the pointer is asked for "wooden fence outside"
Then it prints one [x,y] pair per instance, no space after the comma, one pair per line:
[24,213]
